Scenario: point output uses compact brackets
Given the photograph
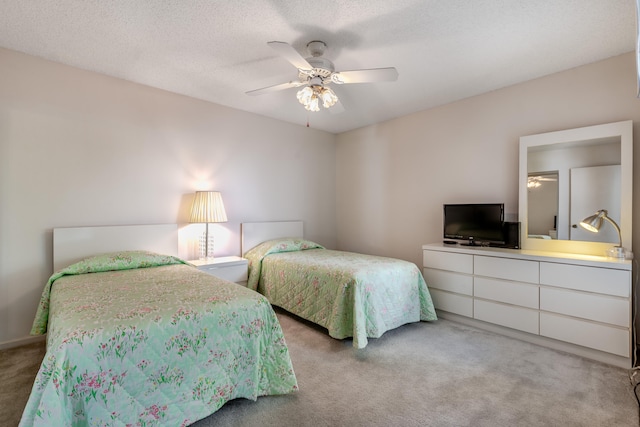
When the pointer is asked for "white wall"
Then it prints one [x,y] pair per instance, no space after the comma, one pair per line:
[394,177]
[78,148]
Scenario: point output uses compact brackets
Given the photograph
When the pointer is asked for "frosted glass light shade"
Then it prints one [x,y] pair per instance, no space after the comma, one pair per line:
[310,97]
[208,207]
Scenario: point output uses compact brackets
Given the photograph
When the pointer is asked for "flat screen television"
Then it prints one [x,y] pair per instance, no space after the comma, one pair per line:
[475,224]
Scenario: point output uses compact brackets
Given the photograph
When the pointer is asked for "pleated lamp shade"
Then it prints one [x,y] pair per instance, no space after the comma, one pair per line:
[208,207]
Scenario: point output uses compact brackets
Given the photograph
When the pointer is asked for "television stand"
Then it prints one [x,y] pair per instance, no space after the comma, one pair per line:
[532,295]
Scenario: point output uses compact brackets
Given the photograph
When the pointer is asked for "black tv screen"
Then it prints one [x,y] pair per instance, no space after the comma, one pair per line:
[475,223]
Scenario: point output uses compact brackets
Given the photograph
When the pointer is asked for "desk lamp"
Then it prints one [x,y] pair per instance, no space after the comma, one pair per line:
[594,222]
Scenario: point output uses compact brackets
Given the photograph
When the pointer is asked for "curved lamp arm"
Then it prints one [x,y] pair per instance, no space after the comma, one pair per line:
[617,229]
[593,223]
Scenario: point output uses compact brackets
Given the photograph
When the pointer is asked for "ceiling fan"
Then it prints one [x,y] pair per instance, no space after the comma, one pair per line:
[315,73]
[536,181]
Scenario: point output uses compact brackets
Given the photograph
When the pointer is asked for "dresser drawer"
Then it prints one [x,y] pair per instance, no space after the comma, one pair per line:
[519,318]
[460,263]
[453,303]
[505,268]
[505,291]
[600,308]
[591,279]
[588,334]
[448,281]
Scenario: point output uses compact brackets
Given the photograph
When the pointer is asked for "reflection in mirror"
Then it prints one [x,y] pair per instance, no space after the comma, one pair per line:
[568,175]
[592,188]
[542,188]
[573,164]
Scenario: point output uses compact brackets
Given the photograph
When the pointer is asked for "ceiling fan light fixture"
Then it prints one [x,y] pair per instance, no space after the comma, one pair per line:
[310,97]
[313,104]
[532,182]
[307,97]
[329,98]
[316,71]
[304,95]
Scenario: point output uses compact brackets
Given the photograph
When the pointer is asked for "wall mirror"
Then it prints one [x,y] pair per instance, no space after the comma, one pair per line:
[568,175]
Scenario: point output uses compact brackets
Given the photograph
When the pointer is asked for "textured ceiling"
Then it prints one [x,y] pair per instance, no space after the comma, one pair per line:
[444,50]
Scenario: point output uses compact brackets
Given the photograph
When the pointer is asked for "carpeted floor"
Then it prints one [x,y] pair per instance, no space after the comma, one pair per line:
[18,368]
[423,374]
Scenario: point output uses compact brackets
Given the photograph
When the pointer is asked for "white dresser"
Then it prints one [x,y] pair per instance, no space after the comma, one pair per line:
[576,303]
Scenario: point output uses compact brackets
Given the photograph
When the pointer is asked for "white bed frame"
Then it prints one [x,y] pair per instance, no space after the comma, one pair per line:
[72,244]
[254,233]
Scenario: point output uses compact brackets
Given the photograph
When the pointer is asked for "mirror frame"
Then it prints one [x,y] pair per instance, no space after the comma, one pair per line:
[623,130]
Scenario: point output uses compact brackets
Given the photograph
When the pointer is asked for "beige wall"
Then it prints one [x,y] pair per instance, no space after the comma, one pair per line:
[394,177]
[78,148]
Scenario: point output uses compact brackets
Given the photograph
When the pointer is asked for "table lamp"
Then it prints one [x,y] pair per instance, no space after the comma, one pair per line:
[207,208]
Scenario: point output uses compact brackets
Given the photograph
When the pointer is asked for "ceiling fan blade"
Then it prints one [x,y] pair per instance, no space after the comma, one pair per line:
[275,88]
[290,54]
[365,76]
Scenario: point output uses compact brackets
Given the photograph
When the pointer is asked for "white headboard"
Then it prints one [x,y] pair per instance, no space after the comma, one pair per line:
[72,244]
[254,233]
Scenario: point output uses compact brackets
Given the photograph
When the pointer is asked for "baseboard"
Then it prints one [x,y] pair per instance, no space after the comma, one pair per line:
[588,353]
[21,341]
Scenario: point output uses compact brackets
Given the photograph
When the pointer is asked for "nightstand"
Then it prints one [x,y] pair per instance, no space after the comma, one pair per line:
[232,268]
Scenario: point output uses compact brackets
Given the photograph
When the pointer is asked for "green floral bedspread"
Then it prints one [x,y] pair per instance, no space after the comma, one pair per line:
[352,295]
[151,344]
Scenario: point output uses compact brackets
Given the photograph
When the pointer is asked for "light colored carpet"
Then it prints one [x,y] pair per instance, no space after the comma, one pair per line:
[18,369]
[423,374]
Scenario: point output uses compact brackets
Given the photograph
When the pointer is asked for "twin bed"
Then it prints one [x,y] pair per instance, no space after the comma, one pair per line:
[136,336]
[351,295]
[141,338]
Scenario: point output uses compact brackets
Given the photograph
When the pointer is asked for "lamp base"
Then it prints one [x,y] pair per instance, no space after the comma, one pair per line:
[617,252]
[206,246]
